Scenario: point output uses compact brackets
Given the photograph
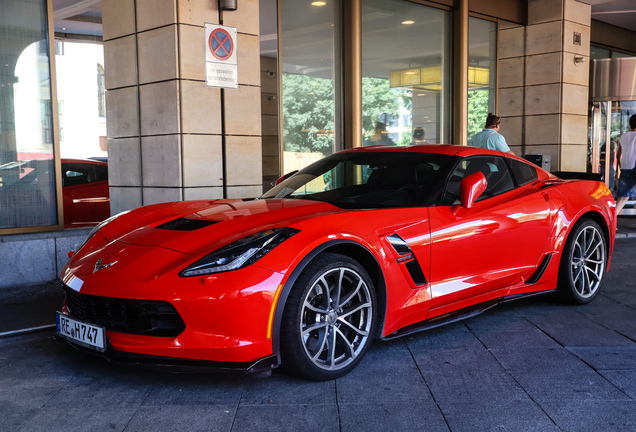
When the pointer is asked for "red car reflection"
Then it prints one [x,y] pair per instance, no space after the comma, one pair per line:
[85,192]
[28,198]
[374,242]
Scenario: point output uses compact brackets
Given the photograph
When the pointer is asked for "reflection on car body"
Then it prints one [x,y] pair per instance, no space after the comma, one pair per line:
[85,192]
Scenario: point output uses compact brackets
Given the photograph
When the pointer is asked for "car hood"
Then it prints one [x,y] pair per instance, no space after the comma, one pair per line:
[196,226]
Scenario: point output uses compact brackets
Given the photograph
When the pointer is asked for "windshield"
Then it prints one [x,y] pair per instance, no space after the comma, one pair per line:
[367,180]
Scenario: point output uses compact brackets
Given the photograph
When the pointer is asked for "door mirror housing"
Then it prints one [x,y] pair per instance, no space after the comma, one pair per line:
[471,188]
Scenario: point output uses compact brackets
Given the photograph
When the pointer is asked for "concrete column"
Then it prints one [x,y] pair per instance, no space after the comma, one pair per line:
[270,121]
[549,104]
[460,72]
[165,140]
[511,83]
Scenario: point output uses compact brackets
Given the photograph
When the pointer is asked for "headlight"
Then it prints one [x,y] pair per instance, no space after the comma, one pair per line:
[241,253]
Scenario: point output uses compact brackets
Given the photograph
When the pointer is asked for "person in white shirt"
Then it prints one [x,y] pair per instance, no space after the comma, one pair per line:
[626,156]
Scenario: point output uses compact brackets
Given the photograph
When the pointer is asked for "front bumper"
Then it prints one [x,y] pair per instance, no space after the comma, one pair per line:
[227,318]
[179,365]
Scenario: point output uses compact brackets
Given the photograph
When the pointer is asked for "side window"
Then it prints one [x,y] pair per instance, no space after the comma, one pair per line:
[524,173]
[76,174]
[101,173]
[493,168]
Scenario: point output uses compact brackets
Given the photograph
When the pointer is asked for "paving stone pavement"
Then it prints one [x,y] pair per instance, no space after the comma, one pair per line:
[533,365]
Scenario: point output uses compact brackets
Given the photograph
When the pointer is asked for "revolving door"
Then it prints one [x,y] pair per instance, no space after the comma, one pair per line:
[613,102]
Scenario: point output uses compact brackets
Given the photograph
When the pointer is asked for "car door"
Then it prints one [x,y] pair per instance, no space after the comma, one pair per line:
[491,245]
[85,193]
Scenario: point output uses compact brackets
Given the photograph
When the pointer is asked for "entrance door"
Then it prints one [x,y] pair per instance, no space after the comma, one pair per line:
[617,115]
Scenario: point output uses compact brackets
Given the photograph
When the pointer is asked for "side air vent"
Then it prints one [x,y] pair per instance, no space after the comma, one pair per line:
[400,246]
[416,272]
[184,224]
[540,270]
[407,258]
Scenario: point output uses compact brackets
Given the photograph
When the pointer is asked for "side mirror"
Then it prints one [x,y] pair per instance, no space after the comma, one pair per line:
[285,177]
[471,188]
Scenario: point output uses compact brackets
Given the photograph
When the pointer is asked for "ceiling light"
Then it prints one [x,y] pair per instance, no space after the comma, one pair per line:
[318,3]
[408,22]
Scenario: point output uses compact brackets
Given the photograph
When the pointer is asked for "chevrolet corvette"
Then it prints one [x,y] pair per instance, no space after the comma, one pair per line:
[368,243]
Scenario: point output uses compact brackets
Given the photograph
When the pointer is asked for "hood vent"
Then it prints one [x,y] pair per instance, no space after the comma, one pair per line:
[184,224]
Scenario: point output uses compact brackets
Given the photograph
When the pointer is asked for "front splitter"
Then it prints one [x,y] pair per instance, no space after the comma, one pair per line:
[179,365]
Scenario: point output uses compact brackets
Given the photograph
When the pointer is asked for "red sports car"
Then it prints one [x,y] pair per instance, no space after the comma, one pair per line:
[374,242]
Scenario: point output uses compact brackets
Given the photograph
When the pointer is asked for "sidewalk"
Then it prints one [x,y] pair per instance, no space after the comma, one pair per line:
[29,308]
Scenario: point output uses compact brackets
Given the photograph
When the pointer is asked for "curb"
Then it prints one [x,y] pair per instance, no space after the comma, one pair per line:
[630,235]
[26,331]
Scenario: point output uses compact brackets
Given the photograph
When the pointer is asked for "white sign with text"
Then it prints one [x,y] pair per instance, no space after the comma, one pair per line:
[221,64]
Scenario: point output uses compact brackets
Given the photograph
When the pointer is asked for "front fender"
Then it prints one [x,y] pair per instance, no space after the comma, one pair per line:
[292,276]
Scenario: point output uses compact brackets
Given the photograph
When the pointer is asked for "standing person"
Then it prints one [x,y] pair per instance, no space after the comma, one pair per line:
[626,156]
[489,137]
[419,136]
[380,136]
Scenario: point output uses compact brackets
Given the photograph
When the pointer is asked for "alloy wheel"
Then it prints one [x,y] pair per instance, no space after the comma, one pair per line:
[336,318]
[587,261]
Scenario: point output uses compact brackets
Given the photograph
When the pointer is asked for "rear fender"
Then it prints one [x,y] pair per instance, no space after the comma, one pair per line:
[604,218]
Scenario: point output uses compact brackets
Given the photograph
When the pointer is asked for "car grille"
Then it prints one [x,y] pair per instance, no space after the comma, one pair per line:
[141,317]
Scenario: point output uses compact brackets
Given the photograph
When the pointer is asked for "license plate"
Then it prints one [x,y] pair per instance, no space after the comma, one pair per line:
[86,335]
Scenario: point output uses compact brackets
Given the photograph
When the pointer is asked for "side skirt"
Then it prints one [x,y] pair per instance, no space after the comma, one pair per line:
[459,315]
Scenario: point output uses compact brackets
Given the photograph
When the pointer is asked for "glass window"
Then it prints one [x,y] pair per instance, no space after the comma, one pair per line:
[81,94]
[495,170]
[618,54]
[310,80]
[597,53]
[614,115]
[482,72]
[101,92]
[406,73]
[621,113]
[524,173]
[27,175]
[368,180]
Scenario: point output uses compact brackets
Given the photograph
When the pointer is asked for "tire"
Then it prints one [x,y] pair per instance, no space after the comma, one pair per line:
[329,318]
[583,263]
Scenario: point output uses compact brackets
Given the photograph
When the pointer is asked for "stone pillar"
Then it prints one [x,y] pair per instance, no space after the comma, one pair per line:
[547,100]
[269,110]
[511,83]
[165,136]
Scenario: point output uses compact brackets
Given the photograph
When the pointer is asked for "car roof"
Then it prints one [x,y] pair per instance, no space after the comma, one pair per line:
[87,161]
[447,149]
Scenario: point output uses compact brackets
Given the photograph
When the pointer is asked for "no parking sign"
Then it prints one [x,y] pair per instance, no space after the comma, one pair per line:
[221,65]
